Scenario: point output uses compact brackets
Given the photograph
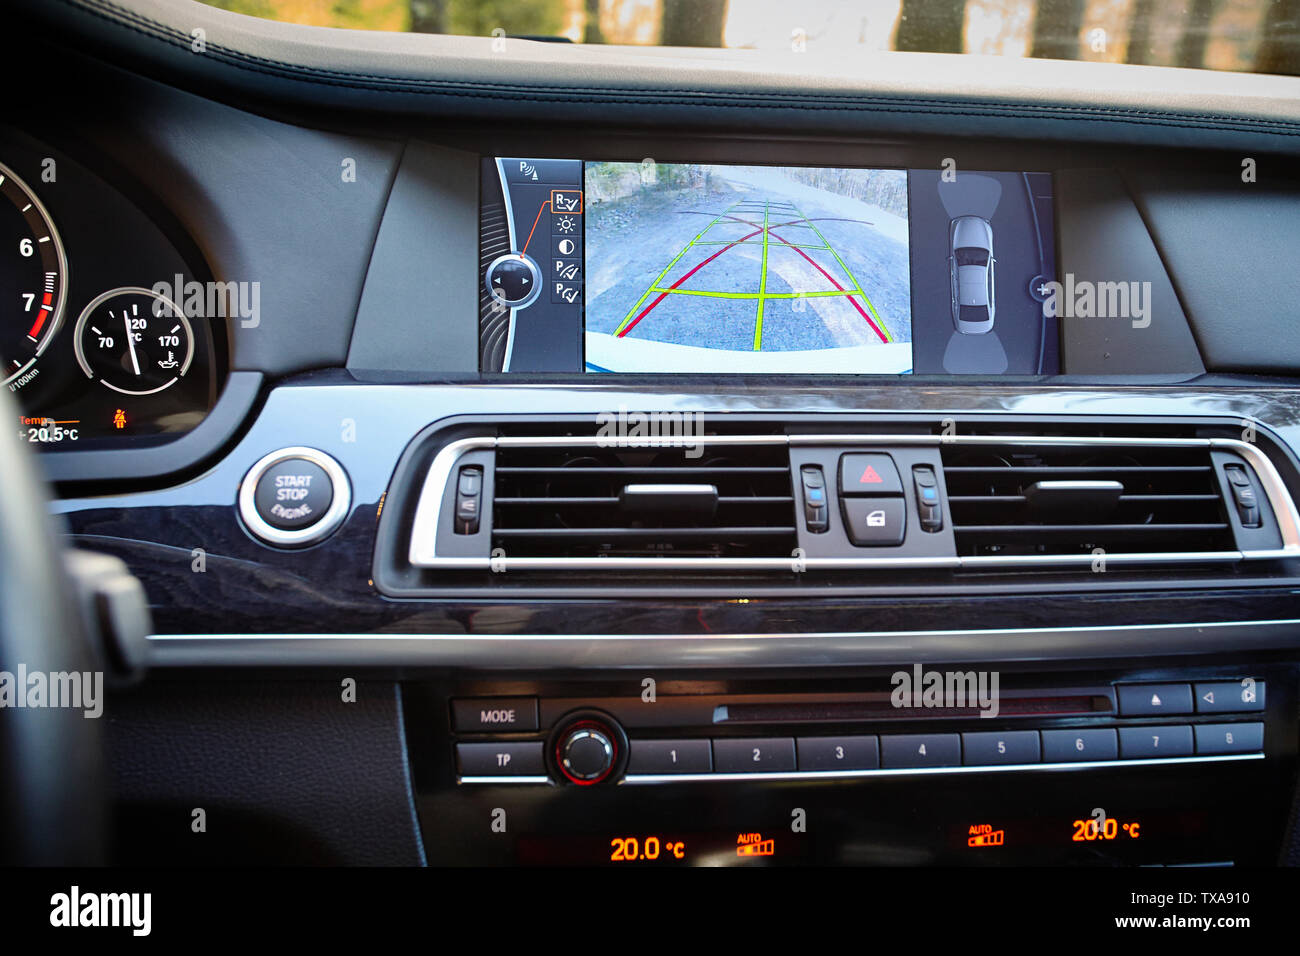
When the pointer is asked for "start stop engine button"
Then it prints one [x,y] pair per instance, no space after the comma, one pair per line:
[294,497]
[294,493]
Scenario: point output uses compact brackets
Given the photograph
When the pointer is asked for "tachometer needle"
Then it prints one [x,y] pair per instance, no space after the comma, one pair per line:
[130,342]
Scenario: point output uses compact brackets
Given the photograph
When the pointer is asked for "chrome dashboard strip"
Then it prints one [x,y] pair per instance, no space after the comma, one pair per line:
[927,771]
[639,652]
[840,564]
[644,778]
[424,531]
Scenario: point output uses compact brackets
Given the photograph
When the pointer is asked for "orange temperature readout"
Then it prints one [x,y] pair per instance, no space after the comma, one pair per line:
[1104,828]
[633,849]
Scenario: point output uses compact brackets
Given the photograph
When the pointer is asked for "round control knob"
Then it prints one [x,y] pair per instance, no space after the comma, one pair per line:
[294,497]
[587,752]
[293,494]
[514,280]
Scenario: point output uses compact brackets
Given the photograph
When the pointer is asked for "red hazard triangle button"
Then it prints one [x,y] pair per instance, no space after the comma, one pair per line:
[869,474]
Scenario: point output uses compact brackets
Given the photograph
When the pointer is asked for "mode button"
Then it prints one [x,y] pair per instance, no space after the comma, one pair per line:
[478,715]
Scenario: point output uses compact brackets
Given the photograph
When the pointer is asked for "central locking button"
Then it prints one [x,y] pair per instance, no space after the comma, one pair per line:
[871,494]
[875,522]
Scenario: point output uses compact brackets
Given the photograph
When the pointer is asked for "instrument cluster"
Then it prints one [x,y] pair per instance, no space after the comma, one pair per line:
[108,334]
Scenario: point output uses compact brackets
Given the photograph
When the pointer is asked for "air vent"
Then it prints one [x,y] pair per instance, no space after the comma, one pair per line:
[579,501]
[560,501]
[1017,499]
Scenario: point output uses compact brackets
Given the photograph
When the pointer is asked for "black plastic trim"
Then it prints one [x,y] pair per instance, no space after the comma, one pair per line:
[221,425]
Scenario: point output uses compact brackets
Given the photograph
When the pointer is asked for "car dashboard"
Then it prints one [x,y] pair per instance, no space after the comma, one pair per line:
[673,468]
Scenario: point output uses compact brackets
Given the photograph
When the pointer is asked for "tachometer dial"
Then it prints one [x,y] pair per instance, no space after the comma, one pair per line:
[134,341]
[33,279]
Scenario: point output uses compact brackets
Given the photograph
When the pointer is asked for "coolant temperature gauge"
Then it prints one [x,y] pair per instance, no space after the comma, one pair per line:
[134,341]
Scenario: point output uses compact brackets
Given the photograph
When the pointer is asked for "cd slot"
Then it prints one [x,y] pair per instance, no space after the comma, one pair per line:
[971,701]
[878,707]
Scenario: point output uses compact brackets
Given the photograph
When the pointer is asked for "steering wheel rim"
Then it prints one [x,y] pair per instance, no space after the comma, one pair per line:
[52,806]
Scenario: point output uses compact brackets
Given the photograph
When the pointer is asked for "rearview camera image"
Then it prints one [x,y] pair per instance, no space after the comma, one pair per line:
[707,268]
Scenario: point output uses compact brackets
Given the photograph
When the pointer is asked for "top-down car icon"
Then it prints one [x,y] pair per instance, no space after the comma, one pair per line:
[971,270]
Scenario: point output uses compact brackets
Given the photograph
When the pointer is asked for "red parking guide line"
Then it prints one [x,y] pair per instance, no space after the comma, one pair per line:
[875,328]
[767,233]
[664,295]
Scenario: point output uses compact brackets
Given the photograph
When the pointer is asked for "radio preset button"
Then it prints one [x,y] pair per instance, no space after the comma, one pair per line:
[1144,743]
[1229,738]
[920,750]
[669,756]
[1011,746]
[838,753]
[754,755]
[1064,746]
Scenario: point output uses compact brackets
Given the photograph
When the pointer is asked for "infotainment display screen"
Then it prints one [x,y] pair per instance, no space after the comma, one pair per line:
[701,268]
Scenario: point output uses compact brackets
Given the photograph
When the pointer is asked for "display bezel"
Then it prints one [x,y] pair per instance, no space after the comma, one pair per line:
[498,321]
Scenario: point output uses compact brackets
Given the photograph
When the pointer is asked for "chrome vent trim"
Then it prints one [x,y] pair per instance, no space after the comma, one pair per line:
[733,501]
[1016,500]
[423,548]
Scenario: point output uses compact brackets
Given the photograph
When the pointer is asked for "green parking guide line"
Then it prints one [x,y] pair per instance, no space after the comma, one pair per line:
[857,286]
[631,312]
[754,295]
[755,242]
[762,288]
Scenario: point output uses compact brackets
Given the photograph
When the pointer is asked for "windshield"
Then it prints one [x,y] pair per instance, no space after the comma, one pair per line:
[1248,35]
